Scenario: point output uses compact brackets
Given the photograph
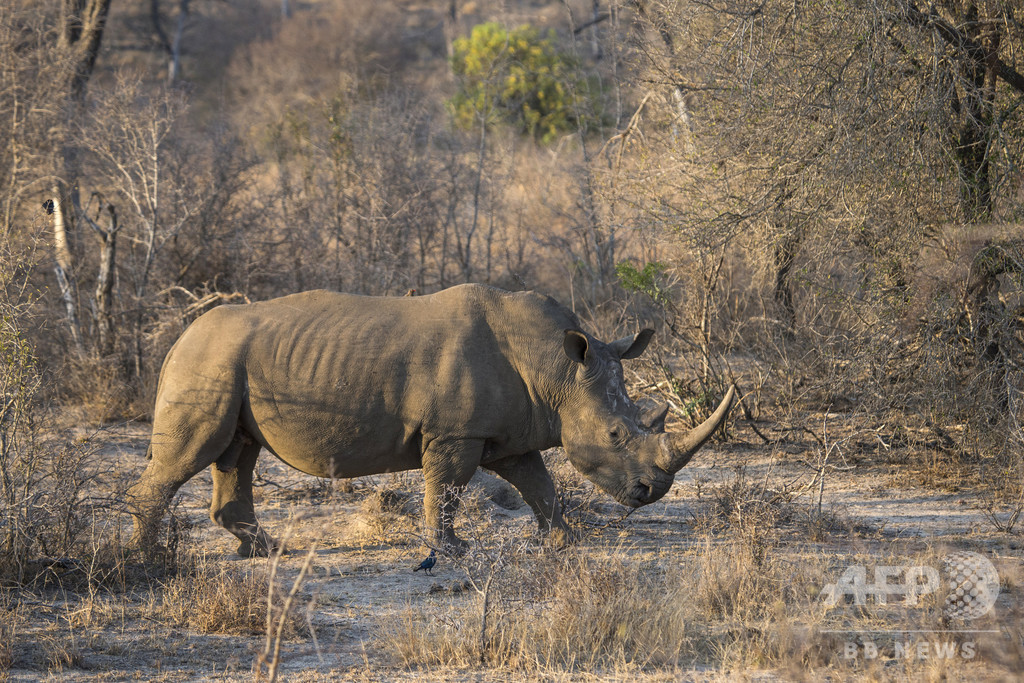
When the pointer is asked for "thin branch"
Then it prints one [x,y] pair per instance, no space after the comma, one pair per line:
[593,22]
[956,38]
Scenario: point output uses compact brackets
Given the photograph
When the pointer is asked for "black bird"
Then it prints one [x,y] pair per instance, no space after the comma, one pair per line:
[48,206]
[428,563]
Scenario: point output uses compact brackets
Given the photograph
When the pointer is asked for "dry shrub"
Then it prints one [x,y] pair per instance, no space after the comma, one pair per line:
[217,598]
[584,507]
[346,37]
[45,508]
[46,504]
[386,513]
[49,507]
[742,503]
[576,611]
[99,389]
[61,652]
[10,621]
[762,512]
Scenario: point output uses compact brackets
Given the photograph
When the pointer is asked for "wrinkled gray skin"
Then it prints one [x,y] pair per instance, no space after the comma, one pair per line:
[343,386]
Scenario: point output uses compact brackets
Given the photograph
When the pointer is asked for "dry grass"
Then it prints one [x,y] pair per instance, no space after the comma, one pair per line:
[762,512]
[102,390]
[348,99]
[721,603]
[738,596]
[386,514]
[212,597]
[10,622]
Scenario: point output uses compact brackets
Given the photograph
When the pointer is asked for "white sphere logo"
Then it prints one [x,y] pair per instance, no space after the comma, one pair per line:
[973,585]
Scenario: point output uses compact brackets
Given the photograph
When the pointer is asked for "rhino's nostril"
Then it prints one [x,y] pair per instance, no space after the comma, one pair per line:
[645,491]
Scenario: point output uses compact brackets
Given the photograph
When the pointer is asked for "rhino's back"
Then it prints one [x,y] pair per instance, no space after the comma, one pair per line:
[342,385]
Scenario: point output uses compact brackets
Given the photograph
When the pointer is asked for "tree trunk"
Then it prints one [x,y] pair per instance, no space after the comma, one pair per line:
[992,329]
[63,267]
[971,153]
[81,33]
[980,69]
[82,27]
[174,67]
[784,257]
[105,284]
[451,29]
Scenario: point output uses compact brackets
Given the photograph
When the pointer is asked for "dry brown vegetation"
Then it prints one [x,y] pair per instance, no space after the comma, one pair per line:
[820,203]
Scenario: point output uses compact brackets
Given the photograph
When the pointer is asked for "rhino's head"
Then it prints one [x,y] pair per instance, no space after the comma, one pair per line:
[619,446]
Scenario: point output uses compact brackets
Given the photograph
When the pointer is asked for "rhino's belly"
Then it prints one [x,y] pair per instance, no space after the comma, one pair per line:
[328,445]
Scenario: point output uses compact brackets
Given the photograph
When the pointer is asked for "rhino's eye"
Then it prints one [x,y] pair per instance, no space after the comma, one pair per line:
[615,433]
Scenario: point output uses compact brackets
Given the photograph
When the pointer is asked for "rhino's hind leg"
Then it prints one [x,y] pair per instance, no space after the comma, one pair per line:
[147,501]
[173,462]
[447,468]
[232,505]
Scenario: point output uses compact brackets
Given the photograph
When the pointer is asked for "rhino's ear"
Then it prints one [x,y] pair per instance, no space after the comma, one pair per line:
[575,345]
[631,347]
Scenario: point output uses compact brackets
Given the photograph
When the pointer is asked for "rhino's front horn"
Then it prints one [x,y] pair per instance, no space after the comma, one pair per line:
[677,449]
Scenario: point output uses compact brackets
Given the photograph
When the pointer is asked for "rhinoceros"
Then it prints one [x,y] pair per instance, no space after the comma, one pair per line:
[339,385]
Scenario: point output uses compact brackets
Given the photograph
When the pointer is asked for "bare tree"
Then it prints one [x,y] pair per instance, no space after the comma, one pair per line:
[103,298]
[126,142]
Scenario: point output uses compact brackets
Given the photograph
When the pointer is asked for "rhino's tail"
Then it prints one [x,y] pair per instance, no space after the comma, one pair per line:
[149,452]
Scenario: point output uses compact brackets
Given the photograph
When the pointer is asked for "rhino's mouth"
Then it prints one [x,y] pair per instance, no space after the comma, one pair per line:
[645,491]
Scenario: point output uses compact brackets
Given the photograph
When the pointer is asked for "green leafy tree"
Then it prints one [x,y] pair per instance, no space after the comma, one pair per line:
[518,77]
[645,281]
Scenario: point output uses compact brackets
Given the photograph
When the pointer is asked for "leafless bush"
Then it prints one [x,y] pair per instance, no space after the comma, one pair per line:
[754,507]
[280,617]
[217,597]
[10,623]
[45,501]
[164,197]
[213,598]
[26,99]
[958,378]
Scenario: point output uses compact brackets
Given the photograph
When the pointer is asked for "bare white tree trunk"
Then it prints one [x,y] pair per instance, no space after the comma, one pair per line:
[64,269]
[174,66]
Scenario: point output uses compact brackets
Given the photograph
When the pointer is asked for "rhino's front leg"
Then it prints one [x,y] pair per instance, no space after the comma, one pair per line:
[447,468]
[533,481]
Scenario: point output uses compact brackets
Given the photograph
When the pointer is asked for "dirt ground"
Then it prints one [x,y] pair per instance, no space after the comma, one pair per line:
[361,569]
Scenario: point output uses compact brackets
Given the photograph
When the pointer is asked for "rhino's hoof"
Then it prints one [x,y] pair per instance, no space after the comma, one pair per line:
[249,549]
[562,538]
[146,548]
[454,546]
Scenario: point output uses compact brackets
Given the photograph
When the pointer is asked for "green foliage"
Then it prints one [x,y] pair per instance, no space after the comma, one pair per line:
[517,77]
[646,281]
